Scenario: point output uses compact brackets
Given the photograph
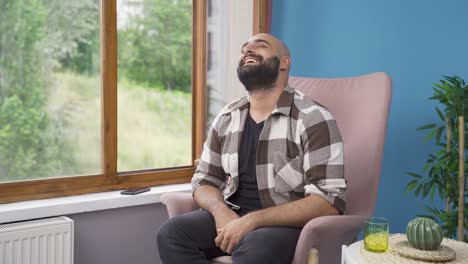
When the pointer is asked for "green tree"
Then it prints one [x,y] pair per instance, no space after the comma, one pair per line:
[155,46]
[72,30]
[21,89]
[35,36]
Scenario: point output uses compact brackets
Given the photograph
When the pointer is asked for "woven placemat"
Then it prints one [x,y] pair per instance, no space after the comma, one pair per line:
[392,257]
[443,253]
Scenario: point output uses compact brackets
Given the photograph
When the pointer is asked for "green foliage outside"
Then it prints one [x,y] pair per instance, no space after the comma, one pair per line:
[163,116]
[441,169]
[155,48]
[50,87]
[27,144]
[154,125]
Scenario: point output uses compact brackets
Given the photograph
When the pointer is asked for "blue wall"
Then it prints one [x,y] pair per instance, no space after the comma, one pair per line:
[415,42]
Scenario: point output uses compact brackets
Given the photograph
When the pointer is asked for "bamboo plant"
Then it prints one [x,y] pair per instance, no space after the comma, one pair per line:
[446,169]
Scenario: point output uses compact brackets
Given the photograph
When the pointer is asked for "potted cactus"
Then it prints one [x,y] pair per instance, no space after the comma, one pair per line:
[446,169]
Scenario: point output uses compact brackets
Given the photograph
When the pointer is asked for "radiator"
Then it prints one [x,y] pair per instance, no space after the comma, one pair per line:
[45,241]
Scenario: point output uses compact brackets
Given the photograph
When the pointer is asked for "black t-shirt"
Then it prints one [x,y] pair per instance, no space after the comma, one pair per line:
[247,195]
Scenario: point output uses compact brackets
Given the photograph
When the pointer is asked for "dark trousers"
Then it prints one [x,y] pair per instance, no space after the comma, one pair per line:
[190,238]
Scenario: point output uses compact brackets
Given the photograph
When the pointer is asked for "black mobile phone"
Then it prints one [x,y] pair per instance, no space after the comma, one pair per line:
[135,190]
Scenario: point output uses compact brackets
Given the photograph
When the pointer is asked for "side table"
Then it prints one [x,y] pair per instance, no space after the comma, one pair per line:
[351,254]
[356,254]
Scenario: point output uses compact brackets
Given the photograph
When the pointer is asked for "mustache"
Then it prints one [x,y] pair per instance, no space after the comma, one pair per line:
[255,56]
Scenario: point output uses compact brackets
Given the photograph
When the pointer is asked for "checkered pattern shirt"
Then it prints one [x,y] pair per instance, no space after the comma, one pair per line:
[299,152]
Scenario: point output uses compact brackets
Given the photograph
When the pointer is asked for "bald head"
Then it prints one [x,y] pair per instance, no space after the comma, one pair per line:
[278,45]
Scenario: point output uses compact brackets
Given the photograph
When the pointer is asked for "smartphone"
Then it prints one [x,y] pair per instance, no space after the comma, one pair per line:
[135,190]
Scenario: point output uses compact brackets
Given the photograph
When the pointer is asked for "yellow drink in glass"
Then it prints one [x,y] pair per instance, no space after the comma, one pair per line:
[376,231]
[376,242]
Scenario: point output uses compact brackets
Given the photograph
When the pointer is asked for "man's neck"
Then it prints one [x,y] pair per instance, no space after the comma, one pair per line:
[262,102]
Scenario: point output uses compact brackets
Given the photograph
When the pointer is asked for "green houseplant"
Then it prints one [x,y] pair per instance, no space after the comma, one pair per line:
[446,169]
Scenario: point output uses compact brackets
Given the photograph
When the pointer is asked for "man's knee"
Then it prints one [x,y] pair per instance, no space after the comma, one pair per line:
[267,246]
[172,243]
[166,232]
[258,244]
[186,227]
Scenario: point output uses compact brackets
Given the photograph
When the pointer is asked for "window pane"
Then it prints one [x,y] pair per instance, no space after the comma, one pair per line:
[216,58]
[154,87]
[50,124]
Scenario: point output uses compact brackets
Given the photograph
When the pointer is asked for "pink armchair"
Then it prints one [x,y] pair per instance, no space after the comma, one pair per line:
[360,105]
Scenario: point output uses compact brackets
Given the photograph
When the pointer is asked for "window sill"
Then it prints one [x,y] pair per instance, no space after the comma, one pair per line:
[21,211]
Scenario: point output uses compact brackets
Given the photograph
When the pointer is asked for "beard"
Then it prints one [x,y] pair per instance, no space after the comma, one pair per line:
[260,76]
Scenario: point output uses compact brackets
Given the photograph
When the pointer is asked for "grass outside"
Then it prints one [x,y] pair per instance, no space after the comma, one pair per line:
[154,125]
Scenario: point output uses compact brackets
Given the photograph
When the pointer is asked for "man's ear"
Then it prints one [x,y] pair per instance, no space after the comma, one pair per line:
[285,63]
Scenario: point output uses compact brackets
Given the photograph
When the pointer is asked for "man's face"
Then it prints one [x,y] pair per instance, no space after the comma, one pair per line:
[258,65]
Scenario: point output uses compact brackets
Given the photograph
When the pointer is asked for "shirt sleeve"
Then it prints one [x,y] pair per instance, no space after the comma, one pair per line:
[209,170]
[323,158]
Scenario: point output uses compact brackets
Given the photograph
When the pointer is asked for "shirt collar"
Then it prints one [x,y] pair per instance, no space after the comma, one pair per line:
[285,102]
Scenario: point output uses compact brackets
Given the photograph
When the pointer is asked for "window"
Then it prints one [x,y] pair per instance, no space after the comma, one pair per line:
[154,84]
[87,99]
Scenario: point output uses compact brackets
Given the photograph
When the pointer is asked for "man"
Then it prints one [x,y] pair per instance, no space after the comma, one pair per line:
[271,162]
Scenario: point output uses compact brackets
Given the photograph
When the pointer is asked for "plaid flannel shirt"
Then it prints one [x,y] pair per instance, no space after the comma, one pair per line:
[299,152]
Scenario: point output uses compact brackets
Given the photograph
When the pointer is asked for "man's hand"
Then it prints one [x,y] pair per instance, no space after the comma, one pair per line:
[230,235]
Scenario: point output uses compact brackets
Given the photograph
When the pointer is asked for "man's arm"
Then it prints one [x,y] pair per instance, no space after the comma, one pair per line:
[292,214]
[210,177]
[211,199]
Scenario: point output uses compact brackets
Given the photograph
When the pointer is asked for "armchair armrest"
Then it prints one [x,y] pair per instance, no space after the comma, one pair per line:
[178,203]
[327,234]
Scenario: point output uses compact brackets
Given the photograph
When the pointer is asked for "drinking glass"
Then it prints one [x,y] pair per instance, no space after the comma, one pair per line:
[376,231]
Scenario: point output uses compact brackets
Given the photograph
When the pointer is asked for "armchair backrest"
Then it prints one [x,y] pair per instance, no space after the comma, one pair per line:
[360,106]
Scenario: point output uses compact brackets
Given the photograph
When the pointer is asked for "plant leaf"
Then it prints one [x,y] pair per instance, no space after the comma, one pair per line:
[439,113]
[426,188]
[418,190]
[430,135]
[415,175]
[439,134]
[411,186]
[429,126]
[433,190]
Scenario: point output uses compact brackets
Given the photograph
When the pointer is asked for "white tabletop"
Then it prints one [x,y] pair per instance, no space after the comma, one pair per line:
[352,255]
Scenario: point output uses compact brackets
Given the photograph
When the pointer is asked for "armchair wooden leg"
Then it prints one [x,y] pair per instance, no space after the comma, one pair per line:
[312,258]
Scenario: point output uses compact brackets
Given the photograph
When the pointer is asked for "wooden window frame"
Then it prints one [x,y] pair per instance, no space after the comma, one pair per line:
[111,179]
[261,10]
